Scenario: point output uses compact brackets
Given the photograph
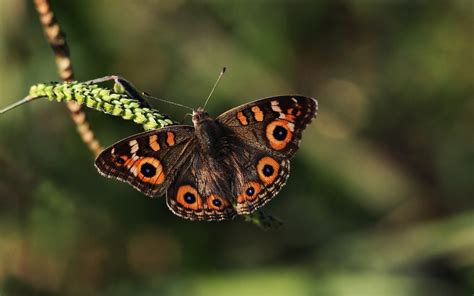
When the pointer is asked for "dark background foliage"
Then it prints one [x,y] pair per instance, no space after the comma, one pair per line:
[380,200]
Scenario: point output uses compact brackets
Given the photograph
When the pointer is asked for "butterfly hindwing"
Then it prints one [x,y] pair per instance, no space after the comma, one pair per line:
[196,194]
[150,160]
[273,124]
[256,192]
[261,177]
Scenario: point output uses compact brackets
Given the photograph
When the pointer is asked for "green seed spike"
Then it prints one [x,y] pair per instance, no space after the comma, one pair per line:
[109,101]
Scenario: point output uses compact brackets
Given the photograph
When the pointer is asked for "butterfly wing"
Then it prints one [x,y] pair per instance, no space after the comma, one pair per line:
[168,161]
[273,124]
[201,191]
[149,161]
[262,176]
[267,133]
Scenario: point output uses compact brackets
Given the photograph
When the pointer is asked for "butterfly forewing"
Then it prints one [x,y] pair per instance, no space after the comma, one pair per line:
[273,124]
[149,160]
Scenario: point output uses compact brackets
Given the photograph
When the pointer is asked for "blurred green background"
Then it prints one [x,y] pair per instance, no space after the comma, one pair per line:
[381,196]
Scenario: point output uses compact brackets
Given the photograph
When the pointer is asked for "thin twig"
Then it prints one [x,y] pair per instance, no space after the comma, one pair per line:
[57,40]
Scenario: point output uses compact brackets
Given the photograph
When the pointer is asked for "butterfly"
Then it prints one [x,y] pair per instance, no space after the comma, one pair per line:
[218,168]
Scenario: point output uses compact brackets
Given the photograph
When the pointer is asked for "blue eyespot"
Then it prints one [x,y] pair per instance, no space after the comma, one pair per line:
[217,202]
[189,198]
[250,191]
[268,170]
[280,133]
[148,170]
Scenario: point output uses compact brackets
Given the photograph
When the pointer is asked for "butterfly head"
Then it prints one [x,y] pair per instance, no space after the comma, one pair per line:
[200,116]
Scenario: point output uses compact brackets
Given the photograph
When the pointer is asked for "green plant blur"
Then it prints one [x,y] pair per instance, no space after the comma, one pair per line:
[381,196]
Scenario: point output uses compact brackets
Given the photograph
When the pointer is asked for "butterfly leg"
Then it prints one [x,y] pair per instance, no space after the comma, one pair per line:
[123,85]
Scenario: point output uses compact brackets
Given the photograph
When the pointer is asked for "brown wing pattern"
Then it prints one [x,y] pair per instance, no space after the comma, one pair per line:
[267,134]
[150,160]
[264,177]
[273,124]
[199,192]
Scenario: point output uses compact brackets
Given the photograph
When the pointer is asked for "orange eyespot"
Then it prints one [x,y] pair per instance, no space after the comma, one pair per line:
[250,192]
[267,169]
[279,134]
[149,170]
[216,202]
[188,197]
[121,160]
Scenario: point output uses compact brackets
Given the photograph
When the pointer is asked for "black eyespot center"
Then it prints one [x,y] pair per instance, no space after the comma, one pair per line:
[268,170]
[217,202]
[148,170]
[120,160]
[280,133]
[250,191]
[189,198]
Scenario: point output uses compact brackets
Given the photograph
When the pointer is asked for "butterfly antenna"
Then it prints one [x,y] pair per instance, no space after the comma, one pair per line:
[165,101]
[214,87]
[19,103]
[186,115]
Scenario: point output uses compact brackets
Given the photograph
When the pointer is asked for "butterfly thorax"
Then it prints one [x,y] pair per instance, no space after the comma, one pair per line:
[208,132]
